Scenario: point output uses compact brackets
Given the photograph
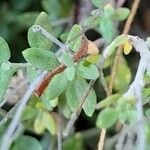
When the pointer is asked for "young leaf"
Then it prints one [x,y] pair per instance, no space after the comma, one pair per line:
[41,59]
[74,94]
[121,39]
[36,39]
[56,87]
[121,13]
[74,44]
[4,50]
[70,72]
[127,47]
[49,123]
[90,72]
[93,59]
[107,118]
[26,142]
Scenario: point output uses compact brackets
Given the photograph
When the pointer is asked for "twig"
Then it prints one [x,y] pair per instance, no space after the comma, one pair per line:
[38,28]
[12,127]
[119,50]
[77,56]
[102,139]
[76,113]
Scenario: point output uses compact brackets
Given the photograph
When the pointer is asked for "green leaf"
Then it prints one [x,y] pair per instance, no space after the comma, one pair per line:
[49,123]
[36,39]
[4,50]
[90,72]
[74,94]
[56,87]
[74,44]
[91,21]
[98,3]
[41,59]
[107,118]
[121,13]
[106,28]
[74,143]
[70,72]
[26,143]
[5,77]
[119,40]
[39,125]
[64,36]
[28,113]
[67,59]
[147,112]
[64,108]
[108,101]
[32,73]
[93,59]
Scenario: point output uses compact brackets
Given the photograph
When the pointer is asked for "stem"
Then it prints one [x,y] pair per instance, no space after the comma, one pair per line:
[12,127]
[102,139]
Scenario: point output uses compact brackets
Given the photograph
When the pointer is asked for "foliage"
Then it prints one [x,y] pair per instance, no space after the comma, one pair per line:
[67,91]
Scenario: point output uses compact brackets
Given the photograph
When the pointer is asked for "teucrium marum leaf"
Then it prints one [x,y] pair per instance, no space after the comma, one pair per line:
[27,142]
[98,3]
[74,94]
[121,13]
[5,77]
[41,59]
[36,39]
[74,44]
[107,118]
[91,21]
[121,39]
[90,72]
[127,47]
[4,50]
[70,72]
[67,59]
[93,59]
[57,86]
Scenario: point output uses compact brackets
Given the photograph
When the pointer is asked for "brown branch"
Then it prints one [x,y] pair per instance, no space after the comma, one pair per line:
[82,52]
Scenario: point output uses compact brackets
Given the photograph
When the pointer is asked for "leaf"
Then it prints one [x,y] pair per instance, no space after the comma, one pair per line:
[5,77]
[75,31]
[32,73]
[39,125]
[4,50]
[36,39]
[91,21]
[106,28]
[93,59]
[90,72]
[25,142]
[74,94]
[119,40]
[127,47]
[108,101]
[49,123]
[64,36]
[57,86]
[74,143]
[121,13]
[41,59]
[64,108]
[107,118]
[67,59]
[98,3]
[28,113]
[70,72]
